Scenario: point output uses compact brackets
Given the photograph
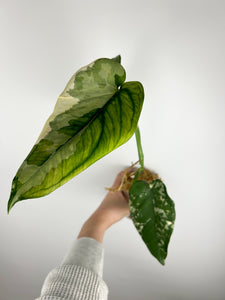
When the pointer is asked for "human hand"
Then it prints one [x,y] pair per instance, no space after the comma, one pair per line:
[115,205]
[113,208]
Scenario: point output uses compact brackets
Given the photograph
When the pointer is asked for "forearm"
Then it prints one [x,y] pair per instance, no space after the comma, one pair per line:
[112,209]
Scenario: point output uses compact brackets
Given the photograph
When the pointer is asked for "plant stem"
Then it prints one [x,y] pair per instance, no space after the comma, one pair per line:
[140,151]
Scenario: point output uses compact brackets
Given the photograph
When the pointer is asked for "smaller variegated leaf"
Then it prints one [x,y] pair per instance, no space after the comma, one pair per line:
[153,214]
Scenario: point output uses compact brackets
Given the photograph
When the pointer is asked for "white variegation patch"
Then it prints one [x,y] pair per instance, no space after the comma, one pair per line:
[71,84]
[160,212]
[66,101]
[87,66]
[168,225]
[63,104]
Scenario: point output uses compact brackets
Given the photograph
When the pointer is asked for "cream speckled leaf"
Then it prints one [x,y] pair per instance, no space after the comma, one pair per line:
[96,113]
[153,214]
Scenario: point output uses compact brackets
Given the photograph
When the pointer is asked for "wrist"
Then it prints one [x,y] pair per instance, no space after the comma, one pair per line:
[94,227]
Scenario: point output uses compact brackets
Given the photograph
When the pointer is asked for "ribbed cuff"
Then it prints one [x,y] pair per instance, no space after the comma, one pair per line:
[75,283]
[88,253]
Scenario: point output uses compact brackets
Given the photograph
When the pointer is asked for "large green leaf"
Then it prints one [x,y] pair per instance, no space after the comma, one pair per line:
[96,113]
[153,214]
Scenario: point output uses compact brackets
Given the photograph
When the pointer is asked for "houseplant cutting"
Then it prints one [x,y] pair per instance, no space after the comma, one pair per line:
[96,113]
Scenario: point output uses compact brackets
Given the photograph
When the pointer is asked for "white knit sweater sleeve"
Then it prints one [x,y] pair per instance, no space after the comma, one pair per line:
[80,275]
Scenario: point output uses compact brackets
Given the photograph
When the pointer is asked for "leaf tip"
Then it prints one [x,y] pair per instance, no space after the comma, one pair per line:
[117,59]
[9,207]
[11,201]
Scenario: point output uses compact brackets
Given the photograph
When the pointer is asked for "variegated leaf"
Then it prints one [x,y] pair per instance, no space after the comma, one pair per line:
[153,214]
[96,113]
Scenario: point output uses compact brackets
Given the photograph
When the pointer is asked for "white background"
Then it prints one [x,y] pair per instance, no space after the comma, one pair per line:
[176,49]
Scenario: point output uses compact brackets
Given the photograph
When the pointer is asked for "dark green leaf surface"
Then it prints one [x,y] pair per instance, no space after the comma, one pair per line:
[153,214]
[96,113]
